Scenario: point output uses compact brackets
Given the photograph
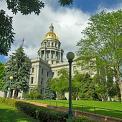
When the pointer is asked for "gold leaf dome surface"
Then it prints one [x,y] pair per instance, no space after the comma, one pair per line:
[51,35]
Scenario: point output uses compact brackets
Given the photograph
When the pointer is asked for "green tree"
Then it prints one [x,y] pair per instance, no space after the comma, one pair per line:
[34,93]
[6,33]
[1,76]
[49,93]
[60,84]
[87,86]
[19,67]
[103,41]
[76,85]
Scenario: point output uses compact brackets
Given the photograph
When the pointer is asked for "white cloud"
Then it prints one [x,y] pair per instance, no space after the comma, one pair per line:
[68,23]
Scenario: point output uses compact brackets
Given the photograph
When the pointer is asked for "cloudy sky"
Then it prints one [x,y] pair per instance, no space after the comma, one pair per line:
[68,23]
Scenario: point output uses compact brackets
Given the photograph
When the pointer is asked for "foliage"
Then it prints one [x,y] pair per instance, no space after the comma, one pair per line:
[60,84]
[102,41]
[25,7]
[33,94]
[1,76]
[19,67]
[41,113]
[83,86]
[29,6]
[49,93]
[6,33]
[65,2]
[37,112]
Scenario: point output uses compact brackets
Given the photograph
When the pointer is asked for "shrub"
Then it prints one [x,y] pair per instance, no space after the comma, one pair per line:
[41,113]
[33,94]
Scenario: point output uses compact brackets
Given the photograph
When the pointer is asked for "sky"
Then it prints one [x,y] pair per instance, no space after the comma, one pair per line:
[68,23]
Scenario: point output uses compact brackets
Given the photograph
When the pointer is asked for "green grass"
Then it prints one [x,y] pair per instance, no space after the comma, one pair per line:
[113,109]
[11,114]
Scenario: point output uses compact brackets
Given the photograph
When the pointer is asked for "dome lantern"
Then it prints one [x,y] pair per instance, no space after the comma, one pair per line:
[51,35]
[51,28]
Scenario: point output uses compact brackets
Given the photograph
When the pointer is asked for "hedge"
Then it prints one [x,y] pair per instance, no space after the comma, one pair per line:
[41,113]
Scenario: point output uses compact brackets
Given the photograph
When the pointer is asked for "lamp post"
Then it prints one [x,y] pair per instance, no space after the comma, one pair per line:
[70,57]
[11,78]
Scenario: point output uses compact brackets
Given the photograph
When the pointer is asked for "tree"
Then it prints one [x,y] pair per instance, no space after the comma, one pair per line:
[76,85]
[34,93]
[60,84]
[19,67]
[86,87]
[65,2]
[1,76]
[49,93]
[6,33]
[102,41]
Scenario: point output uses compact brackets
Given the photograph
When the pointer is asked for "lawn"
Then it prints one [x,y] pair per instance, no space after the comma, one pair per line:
[11,114]
[113,109]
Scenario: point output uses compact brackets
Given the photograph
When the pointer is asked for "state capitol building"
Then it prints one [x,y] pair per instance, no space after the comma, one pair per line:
[49,61]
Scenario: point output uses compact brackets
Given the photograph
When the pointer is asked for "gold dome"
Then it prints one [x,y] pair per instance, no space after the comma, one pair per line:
[51,35]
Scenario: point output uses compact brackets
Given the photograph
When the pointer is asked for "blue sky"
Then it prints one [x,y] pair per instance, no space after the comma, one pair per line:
[79,13]
[92,5]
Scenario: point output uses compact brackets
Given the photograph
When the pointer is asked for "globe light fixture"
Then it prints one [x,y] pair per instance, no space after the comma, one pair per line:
[70,56]
[11,77]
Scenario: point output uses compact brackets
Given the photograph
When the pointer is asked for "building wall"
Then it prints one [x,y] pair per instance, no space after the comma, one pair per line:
[40,73]
[1,94]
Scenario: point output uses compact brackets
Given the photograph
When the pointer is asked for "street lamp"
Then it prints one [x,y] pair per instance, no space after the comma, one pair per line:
[11,78]
[70,57]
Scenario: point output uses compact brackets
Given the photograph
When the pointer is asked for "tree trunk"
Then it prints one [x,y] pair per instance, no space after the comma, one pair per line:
[120,88]
[118,82]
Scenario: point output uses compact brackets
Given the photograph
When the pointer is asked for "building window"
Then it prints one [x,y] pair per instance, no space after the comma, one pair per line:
[42,71]
[52,44]
[47,74]
[41,81]
[52,73]
[32,70]
[52,55]
[52,62]
[32,79]
[47,55]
